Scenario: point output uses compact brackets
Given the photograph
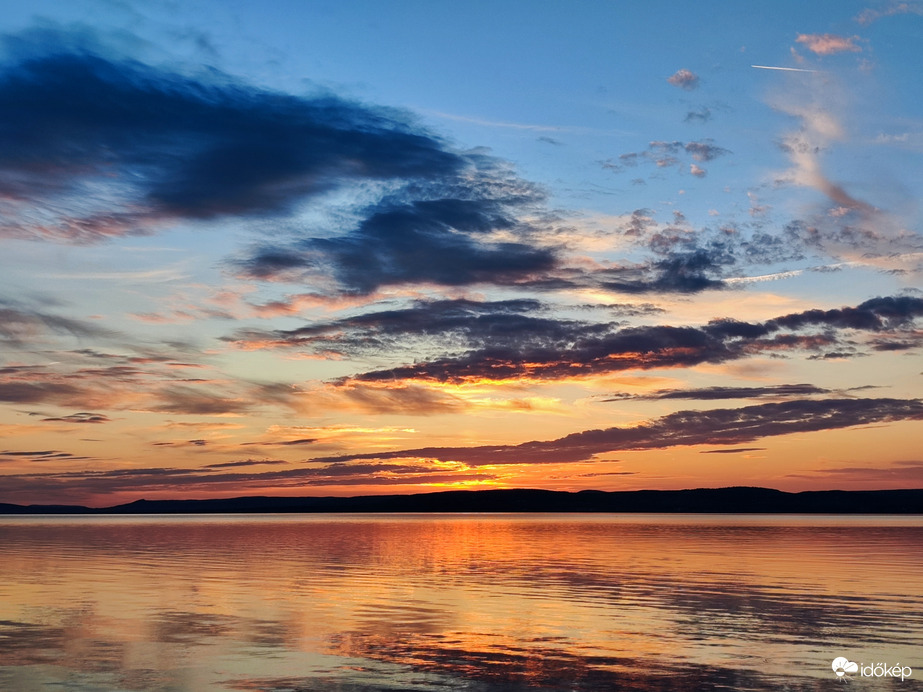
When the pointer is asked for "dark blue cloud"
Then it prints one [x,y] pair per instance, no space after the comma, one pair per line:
[875,314]
[680,271]
[95,145]
[183,147]
[432,242]
[433,232]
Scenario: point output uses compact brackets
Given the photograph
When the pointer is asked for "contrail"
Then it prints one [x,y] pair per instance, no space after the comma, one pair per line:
[784,69]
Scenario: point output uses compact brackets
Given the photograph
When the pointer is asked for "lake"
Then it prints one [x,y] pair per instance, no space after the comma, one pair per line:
[479,602]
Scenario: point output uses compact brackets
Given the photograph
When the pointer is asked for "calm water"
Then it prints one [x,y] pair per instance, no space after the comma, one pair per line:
[457,602]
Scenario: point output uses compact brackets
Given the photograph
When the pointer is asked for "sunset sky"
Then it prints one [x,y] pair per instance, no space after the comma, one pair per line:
[309,248]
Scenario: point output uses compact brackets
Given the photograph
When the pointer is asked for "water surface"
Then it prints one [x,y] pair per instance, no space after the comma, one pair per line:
[355,603]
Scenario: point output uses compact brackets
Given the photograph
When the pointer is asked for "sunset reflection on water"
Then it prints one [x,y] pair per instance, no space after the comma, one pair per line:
[455,602]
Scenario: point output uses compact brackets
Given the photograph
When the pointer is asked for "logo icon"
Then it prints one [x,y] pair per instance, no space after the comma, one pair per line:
[842,665]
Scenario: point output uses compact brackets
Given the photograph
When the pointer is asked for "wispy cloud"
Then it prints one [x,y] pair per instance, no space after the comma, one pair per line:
[899,474]
[717,393]
[94,486]
[873,14]
[683,428]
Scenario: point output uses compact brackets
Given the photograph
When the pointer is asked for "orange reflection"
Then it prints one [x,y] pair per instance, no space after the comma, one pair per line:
[538,600]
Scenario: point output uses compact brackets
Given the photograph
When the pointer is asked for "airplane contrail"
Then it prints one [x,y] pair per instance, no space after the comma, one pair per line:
[784,69]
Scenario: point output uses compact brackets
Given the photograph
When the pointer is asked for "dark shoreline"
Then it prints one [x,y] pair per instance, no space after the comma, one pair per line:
[740,500]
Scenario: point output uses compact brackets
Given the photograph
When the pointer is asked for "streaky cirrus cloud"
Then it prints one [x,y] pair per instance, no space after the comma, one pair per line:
[23,324]
[683,428]
[900,474]
[119,382]
[100,485]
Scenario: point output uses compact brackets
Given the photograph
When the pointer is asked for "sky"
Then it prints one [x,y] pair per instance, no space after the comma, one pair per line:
[307,248]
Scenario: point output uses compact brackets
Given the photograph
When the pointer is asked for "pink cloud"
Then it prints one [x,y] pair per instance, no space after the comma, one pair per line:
[868,16]
[828,44]
[684,79]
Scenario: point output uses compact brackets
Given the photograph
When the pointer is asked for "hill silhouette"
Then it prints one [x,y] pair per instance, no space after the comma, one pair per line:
[737,500]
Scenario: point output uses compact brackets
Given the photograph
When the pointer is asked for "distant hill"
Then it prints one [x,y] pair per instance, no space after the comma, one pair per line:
[703,500]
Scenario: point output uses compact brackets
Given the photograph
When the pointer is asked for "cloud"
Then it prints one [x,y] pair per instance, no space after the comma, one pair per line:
[247,462]
[641,221]
[167,146]
[738,450]
[449,324]
[828,44]
[25,325]
[187,400]
[82,417]
[704,150]
[701,115]
[79,120]
[534,359]
[875,314]
[184,443]
[683,428]
[715,393]
[89,380]
[578,349]
[439,233]
[93,485]
[684,79]
[843,226]
[668,154]
[869,15]
[384,397]
[19,392]
[282,443]
[40,455]
[803,149]
[898,474]
[94,145]
[678,272]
